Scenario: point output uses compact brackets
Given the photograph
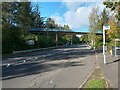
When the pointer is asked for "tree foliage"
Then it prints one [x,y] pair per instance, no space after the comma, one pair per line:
[114,31]
[93,25]
[66,27]
[114,6]
[50,23]
[85,38]
[114,22]
[103,19]
[37,20]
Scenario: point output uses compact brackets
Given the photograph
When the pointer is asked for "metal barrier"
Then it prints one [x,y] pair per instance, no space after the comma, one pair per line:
[117,48]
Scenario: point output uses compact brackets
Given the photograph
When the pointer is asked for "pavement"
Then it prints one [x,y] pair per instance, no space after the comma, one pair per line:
[110,70]
[56,68]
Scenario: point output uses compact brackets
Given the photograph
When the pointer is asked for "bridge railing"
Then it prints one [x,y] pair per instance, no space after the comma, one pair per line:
[60,30]
[46,29]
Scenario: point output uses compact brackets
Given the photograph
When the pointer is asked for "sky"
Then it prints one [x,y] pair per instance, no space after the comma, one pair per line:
[75,14]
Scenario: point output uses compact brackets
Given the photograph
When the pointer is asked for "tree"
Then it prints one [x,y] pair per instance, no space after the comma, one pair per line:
[50,23]
[114,31]
[84,38]
[114,22]
[37,20]
[24,20]
[10,32]
[16,21]
[93,24]
[103,19]
[114,6]
[66,27]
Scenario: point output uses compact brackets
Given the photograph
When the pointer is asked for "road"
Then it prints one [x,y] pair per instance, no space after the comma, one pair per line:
[57,68]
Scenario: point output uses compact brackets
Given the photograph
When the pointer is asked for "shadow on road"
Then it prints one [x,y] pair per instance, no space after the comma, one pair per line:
[40,65]
[33,68]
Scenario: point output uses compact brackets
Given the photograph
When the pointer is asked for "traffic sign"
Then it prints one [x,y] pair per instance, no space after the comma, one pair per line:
[106,27]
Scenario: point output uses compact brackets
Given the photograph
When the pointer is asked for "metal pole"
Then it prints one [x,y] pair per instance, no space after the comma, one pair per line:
[115,48]
[104,47]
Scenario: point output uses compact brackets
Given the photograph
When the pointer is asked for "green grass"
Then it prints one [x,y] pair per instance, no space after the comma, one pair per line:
[95,85]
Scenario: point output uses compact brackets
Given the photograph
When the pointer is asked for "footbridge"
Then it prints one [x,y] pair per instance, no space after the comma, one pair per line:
[62,31]
[47,31]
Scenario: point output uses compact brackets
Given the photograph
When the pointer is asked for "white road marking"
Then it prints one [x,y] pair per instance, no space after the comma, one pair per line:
[8,64]
[36,57]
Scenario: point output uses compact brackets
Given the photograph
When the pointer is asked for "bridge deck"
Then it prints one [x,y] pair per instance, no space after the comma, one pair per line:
[62,31]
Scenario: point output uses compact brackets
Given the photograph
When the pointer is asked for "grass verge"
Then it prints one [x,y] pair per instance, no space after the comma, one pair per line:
[96,81]
[98,84]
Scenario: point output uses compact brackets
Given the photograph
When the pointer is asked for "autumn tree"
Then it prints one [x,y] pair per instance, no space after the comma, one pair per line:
[114,21]
[114,6]
[114,31]
[103,19]
[93,25]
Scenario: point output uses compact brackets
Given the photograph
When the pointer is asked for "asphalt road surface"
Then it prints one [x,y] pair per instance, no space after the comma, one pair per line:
[57,68]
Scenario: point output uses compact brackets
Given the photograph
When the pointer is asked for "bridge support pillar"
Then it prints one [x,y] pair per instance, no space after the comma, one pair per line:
[71,39]
[56,39]
[47,39]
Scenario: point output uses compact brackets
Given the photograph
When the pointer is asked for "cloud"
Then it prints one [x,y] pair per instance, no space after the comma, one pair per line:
[71,5]
[80,0]
[78,18]
[74,18]
[58,19]
[77,15]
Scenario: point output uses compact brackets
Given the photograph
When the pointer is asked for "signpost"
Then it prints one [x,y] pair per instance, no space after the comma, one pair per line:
[106,27]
